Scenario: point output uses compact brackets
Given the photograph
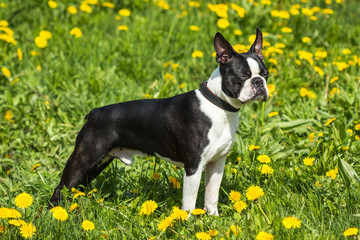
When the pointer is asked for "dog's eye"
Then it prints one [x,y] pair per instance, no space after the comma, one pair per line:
[245,75]
[264,73]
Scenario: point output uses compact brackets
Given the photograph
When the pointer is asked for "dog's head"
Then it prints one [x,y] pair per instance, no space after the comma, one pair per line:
[244,75]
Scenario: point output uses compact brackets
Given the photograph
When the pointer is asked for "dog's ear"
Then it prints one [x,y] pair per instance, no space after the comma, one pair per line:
[256,47]
[224,50]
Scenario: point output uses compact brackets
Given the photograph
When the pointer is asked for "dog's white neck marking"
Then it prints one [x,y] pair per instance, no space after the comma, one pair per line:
[214,84]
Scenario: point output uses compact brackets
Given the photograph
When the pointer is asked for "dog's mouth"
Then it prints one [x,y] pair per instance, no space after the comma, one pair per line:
[261,95]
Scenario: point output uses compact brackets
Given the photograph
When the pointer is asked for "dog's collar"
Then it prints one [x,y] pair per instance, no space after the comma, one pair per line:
[209,95]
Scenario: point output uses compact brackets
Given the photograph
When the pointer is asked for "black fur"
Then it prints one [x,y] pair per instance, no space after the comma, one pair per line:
[178,131]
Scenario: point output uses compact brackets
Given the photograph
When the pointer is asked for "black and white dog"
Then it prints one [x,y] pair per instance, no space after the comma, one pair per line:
[195,130]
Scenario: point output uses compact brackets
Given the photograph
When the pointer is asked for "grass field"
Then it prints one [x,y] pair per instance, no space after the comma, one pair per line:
[60,59]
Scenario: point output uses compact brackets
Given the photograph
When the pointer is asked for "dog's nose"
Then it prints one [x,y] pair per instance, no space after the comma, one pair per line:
[257,82]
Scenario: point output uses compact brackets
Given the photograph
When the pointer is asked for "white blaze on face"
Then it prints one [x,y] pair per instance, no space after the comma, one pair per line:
[248,91]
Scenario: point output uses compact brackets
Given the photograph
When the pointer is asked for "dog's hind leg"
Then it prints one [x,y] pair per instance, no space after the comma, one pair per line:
[79,175]
[85,163]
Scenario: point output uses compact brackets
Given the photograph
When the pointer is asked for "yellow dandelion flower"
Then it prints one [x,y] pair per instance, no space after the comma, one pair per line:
[19,54]
[108,5]
[27,230]
[78,194]
[253,147]
[263,159]
[23,200]
[271,88]
[17,222]
[254,192]
[74,206]
[213,233]
[308,161]
[8,115]
[194,4]
[272,114]
[52,4]
[87,225]
[236,230]
[319,71]
[148,207]
[92,2]
[264,236]
[318,185]
[291,222]
[13,213]
[123,28]
[332,80]
[194,28]
[45,34]
[234,196]
[286,30]
[174,182]
[197,54]
[238,32]
[203,236]
[306,39]
[92,191]
[198,211]
[345,148]
[351,232]
[357,127]
[311,137]
[240,205]
[4,213]
[71,9]
[223,23]
[328,11]
[164,224]
[330,121]
[266,169]
[35,167]
[41,42]
[76,32]
[178,213]
[60,214]
[4,23]
[332,173]
[85,8]
[346,51]
[6,72]
[124,12]
[34,53]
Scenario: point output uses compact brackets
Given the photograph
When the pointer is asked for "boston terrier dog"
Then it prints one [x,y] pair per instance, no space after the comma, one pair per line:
[195,130]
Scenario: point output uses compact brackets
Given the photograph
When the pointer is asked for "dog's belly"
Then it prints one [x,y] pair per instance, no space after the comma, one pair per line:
[126,156]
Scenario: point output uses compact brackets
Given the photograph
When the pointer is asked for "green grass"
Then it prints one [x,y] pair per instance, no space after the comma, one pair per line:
[49,95]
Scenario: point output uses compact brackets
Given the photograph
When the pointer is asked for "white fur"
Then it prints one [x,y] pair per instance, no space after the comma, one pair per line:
[221,138]
[124,154]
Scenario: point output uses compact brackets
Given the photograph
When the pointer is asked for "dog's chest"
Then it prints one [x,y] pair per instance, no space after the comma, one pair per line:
[222,132]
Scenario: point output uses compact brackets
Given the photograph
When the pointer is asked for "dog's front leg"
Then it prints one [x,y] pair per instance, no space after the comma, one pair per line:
[190,190]
[213,176]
